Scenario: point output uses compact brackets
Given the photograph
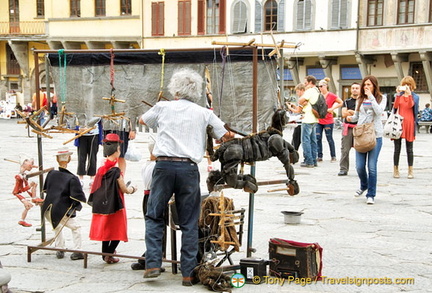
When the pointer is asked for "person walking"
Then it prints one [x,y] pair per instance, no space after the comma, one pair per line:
[347,132]
[180,146]
[333,102]
[407,103]
[369,108]
[309,122]
[109,221]
[64,196]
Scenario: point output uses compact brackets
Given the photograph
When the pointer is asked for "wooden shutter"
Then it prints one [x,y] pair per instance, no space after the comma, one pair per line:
[184,17]
[201,17]
[222,16]
[158,18]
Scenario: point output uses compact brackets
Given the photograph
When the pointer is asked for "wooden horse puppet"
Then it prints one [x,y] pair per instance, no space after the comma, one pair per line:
[254,147]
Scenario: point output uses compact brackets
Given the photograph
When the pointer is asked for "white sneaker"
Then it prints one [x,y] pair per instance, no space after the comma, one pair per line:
[359,192]
[370,200]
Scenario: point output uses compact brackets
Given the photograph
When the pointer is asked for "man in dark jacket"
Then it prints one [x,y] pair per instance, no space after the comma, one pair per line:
[64,195]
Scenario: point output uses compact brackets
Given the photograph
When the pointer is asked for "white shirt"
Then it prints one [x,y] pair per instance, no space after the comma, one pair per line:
[147,173]
[181,128]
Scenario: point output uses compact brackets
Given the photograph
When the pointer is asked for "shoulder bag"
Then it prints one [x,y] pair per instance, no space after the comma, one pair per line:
[393,125]
[364,137]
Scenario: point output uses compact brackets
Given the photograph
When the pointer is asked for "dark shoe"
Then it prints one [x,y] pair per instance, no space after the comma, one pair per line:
[319,159]
[60,254]
[189,281]
[342,173]
[110,260]
[152,273]
[76,256]
[136,266]
[306,165]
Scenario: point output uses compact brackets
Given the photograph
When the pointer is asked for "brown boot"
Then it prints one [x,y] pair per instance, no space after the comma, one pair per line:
[396,172]
[410,172]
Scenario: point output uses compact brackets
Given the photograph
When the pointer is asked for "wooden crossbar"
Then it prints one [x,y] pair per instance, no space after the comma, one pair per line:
[31,249]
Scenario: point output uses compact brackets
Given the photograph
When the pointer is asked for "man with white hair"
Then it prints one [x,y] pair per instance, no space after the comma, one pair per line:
[180,145]
[64,196]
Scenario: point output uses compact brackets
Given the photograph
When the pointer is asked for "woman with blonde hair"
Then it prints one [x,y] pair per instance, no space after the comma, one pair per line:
[406,102]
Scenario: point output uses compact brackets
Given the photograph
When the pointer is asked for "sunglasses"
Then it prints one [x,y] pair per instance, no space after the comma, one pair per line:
[321,85]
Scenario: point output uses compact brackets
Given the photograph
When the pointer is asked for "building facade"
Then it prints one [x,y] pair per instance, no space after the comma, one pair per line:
[341,39]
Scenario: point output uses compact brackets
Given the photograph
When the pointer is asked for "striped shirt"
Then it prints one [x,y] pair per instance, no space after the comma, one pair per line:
[181,128]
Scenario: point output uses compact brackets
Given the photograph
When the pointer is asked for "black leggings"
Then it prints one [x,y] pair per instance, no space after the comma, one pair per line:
[109,246]
[397,150]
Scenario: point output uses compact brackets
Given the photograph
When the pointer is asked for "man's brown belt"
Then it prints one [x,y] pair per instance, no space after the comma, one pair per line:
[174,159]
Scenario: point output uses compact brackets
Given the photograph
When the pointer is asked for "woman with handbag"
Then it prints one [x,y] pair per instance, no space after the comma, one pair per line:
[406,103]
[369,107]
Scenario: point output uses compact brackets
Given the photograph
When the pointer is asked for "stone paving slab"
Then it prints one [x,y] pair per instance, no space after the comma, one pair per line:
[389,239]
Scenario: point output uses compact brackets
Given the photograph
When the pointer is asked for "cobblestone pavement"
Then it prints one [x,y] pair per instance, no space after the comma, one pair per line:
[389,241]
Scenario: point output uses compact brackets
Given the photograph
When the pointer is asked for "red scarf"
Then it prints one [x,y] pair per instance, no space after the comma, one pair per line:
[100,173]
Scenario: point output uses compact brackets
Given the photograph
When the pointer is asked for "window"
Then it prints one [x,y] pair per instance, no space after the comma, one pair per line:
[375,12]
[13,67]
[158,18]
[417,72]
[100,9]
[14,17]
[184,17]
[215,16]
[75,8]
[339,12]
[430,11]
[304,15]
[40,8]
[270,12]
[201,17]
[240,17]
[406,11]
[125,7]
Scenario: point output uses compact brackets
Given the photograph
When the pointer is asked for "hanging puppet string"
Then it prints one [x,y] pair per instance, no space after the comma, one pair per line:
[62,71]
[162,53]
[223,55]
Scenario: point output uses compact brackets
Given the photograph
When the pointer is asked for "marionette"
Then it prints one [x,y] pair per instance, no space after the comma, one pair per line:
[255,147]
[23,185]
[64,196]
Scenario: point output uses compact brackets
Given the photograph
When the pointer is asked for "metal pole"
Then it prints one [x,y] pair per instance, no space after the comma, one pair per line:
[39,139]
[250,249]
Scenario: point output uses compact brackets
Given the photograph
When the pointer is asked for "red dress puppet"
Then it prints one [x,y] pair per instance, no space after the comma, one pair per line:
[109,222]
[22,185]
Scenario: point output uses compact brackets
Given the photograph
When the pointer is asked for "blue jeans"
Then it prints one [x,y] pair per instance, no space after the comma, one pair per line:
[368,180]
[328,129]
[183,180]
[309,144]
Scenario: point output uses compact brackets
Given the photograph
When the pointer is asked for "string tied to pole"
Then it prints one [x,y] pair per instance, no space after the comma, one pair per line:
[112,56]
[223,53]
[62,77]
[162,53]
